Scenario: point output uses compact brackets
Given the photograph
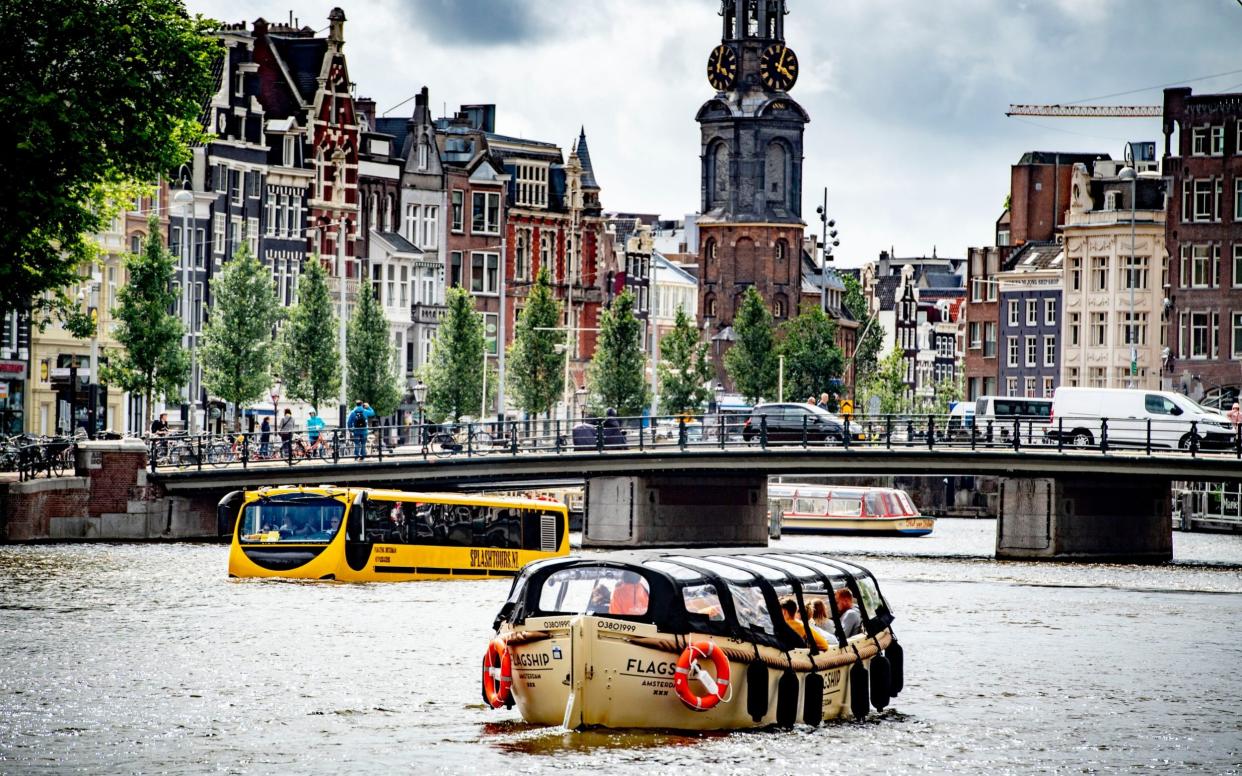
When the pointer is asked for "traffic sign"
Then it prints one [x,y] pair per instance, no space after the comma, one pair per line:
[847,407]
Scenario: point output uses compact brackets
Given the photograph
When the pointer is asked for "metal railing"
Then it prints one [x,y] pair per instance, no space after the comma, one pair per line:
[33,457]
[688,433]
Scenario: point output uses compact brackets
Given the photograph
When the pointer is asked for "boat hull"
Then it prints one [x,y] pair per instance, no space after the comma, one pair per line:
[587,671]
[895,526]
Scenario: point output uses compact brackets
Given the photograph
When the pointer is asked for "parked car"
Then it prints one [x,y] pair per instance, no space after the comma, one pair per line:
[1078,418]
[786,421]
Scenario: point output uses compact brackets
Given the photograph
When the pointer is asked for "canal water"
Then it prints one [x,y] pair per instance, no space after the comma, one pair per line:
[146,658]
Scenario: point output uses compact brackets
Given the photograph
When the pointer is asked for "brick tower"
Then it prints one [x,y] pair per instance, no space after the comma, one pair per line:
[750,230]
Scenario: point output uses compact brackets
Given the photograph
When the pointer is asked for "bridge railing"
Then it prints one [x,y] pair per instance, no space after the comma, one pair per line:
[688,433]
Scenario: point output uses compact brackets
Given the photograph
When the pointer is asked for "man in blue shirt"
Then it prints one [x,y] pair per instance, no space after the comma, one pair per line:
[357,422]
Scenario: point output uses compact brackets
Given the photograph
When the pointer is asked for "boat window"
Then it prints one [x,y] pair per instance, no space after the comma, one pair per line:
[890,505]
[462,525]
[797,570]
[875,506]
[845,505]
[910,507]
[761,570]
[703,600]
[595,590]
[303,520]
[752,609]
[806,506]
[870,596]
[834,574]
[727,572]
[680,573]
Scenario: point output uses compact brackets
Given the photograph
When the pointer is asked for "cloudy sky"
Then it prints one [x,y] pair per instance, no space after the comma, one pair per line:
[907,97]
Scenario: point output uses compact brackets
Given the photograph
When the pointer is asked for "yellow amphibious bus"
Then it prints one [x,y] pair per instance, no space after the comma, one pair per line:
[365,535]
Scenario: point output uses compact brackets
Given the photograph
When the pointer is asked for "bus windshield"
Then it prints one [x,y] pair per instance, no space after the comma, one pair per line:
[299,519]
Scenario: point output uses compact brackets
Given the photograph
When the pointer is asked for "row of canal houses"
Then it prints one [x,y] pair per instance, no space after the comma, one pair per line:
[299,167]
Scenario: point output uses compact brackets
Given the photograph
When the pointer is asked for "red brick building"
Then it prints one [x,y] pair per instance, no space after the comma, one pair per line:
[1203,314]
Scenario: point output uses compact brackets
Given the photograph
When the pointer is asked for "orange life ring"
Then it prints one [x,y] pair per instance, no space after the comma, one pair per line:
[689,662]
[497,674]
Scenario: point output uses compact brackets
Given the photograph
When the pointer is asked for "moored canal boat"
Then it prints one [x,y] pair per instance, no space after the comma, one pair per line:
[693,640]
[847,510]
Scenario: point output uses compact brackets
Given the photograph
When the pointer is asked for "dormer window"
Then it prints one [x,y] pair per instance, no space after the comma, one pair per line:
[289,156]
[1110,200]
[422,156]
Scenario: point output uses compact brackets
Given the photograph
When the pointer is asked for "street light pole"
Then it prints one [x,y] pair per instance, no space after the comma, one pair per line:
[1132,328]
[828,224]
[340,328]
[500,334]
[186,200]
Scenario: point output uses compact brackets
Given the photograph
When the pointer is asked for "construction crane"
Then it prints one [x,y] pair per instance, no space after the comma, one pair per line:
[1088,111]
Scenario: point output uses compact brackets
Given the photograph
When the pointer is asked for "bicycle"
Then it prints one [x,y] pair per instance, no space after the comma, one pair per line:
[456,439]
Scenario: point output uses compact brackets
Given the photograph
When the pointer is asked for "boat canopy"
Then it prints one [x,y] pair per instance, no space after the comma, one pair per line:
[734,593]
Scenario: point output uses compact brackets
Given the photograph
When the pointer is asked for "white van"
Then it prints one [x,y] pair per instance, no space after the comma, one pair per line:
[995,417]
[1078,413]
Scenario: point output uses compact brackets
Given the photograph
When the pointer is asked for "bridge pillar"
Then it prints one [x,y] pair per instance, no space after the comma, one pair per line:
[676,511]
[1109,519]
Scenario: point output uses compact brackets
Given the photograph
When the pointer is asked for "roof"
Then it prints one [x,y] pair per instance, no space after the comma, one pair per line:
[1061,157]
[1035,256]
[396,243]
[943,280]
[676,271]
[397,128]
[304,59]
[886,291]
[584,156]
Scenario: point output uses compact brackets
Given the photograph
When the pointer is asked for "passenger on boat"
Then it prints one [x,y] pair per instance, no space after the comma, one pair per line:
[601,600]
[851,618]
[821,620]
[793,619]
[629,596]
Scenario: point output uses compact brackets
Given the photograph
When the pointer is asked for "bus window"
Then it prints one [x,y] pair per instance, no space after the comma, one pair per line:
[302,520]
[388,522]
[498,528]
[460,522]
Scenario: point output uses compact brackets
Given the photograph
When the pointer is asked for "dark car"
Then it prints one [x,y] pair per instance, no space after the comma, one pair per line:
[786,422]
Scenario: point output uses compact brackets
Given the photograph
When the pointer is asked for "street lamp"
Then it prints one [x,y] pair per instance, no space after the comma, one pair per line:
[830,230]
[91,300]
[420,395]
[1129,173]
[563,348]
[276,386]
[185,199]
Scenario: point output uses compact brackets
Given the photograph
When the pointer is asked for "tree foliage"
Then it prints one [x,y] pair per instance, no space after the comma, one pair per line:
[371,356]
[867,350]
[453,376]
[888,383]
[813,362]
[536,371]
[152,361]
[617,375]
[238,352]
[684,369]
[96,92]
[310,359]
[752,361]
[946,392]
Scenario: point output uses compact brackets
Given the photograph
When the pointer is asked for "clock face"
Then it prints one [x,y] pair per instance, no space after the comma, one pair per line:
[778,67]
[722,68]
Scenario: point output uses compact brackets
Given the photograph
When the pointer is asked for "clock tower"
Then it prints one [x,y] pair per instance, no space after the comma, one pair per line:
[750,227]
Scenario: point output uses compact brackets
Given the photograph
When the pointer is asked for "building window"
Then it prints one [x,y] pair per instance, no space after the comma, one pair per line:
[458,207]
[1099,329]
[1032,351]
[521,254]
[778,308]
[217,233]
[1099,273]
[976,339]
[1203,194]
[423,155]
[1050,311]
[781,250]
[531,185]
[546,252]
[411,223]
[1097,376]
[1013,312]
[485,214]
[709,307]
[1217,138]
[236,194]
[252,235]
[289,158]
[1030,388]
[989,339]
[1133,328]
[221,179]
[1075,270]
[1011,386]
[1198,141]
[255,190]
[1237,264]
[1200,270]
[1032,312]
[1049,387]
[484,268]
[431,227]
[1002,238]
[1075,324]
[1134,273]
[1237,335]
[1237,184]
[1011,351]
[455,270]
[1201,335]
[1050,350]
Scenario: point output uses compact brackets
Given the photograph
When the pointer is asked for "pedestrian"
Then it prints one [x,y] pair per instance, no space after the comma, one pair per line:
[314,424]
[286,434]
[358,418]
[265,438]
[1235,416]
[159,428]
[810,400]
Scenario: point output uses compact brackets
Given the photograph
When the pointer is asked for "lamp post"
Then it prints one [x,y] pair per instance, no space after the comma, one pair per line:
[185,198]
[830,230]
[276,386]
[1129,173]
[563,348]
[340,326]
[90,297]
[420,395]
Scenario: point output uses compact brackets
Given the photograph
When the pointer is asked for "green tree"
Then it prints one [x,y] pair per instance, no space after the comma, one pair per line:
[454,380]
[536,371]
[238,352]
[684,369]
[889,384]
[947,391]
[309,357]
[96,92]
[812,359]
[752,361]
[152,361]
[371,357]
[867,350]
[616,375]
